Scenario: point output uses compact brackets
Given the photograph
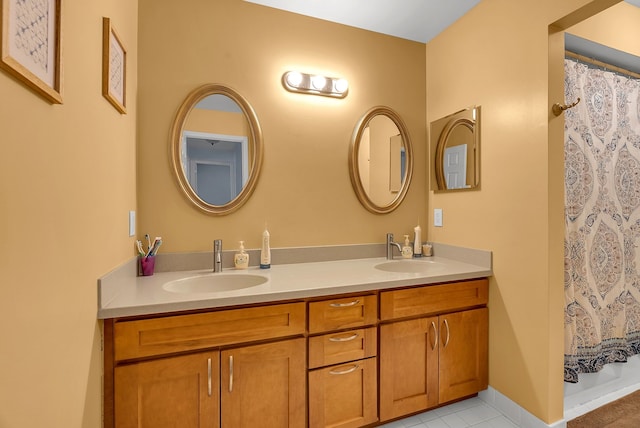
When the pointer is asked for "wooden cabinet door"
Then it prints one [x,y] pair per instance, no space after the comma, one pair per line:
[463,354]
[408,367]
[264,385]
[344,395]
[168,392]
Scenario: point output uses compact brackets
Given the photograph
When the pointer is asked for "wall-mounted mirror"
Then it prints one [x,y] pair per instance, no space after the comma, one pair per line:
[380,160]
[216,149]
[455,150]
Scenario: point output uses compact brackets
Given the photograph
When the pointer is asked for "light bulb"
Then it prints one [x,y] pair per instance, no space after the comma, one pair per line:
[294,79]
[318,82]
[341,86]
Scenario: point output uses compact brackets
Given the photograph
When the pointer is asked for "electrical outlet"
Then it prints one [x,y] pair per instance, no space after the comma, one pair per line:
[437,217]
[132,223]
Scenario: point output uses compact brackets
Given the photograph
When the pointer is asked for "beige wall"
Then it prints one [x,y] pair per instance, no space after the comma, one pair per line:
[617,27]
[67,182]
[304,191]
[217,122]
[68,175]
[497,56]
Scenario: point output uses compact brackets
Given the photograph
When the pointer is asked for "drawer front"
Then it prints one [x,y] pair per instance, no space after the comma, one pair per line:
[348,312]
[336,348]
[432,299]
[344,396]
[148,337]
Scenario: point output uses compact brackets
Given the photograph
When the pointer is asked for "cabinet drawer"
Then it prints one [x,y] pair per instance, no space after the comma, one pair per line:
[335,348]
[344,396]
[432,299]
[148,337]
[343,313]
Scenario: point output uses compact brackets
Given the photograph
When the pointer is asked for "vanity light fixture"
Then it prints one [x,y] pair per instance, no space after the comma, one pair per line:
[294,81]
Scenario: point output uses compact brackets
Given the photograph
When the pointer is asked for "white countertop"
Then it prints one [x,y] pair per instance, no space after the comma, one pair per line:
[128,295]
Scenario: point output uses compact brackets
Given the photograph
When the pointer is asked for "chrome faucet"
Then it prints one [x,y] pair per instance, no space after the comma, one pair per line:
[217,255]
[390,245]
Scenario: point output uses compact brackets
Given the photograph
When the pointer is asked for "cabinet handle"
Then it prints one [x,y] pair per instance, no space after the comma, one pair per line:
[344,305]
[347,371]
[209,376]
[435,335]
[446,324]
[230,373]
[343,339]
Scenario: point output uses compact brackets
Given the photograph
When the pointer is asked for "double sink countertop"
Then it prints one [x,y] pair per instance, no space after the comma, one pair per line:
[121,293]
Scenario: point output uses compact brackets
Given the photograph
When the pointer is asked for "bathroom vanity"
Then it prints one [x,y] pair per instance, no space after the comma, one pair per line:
[332,344]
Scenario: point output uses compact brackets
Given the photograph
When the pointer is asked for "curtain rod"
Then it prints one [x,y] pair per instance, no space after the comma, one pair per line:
[604,65]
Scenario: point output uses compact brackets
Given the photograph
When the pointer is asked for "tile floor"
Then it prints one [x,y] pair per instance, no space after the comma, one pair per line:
[469,413]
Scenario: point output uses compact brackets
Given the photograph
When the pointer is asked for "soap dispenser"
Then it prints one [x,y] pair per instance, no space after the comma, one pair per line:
[407,251]
[241,259]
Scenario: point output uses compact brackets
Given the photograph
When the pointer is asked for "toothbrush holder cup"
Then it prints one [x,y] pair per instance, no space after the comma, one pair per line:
[147,265]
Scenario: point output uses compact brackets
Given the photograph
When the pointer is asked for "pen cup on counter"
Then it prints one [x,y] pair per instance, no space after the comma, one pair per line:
[427,250]
[146,265]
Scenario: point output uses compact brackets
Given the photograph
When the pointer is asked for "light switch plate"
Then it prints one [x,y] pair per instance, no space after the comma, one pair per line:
[132,223]
[437,217]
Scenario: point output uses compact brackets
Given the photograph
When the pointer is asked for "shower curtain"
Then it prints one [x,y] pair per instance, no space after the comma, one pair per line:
[602,219]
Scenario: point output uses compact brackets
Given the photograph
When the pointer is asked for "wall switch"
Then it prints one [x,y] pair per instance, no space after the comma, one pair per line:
[132,223]
[437,217]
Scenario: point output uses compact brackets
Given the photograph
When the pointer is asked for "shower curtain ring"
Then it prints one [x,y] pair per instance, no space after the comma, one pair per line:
[559,108]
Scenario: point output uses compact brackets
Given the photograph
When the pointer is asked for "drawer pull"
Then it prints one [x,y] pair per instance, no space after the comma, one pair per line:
[209,376]
[347,371]
[343,339]
[435,336]
[230,373]
[344,305]
[446,342]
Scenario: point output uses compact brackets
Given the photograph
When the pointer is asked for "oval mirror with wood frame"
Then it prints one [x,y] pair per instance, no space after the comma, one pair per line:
[455,150]
[216,149]
[380,160]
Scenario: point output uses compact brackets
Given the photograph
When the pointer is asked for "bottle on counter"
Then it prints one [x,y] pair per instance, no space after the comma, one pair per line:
[407,251]
[241,259]
[417,241]
[265,251]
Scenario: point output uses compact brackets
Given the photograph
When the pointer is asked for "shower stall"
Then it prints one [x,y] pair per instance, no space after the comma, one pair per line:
[602,229]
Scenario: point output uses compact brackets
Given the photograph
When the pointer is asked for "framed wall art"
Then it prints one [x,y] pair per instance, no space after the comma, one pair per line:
[30,45]
[114,67]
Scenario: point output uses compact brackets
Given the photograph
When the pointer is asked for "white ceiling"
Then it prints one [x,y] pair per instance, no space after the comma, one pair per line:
[418,20]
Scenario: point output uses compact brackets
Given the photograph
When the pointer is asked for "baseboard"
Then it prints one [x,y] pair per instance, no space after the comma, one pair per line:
[517,414]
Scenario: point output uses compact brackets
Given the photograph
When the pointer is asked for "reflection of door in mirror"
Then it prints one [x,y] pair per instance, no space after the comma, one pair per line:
[215,153]
[455,145]
[216,149]
[382,175]
[217,166]
[455,166]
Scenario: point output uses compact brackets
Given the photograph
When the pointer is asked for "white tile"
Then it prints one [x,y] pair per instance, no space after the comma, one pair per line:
[458,406]
[454,421]
[500,422]
[412,421]
[436,423]
[488,396]
[484,424]
[394,424]
[508,408]
[477,414]
[428,416]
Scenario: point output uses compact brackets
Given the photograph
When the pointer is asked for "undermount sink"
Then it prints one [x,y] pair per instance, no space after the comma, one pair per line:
[409,266]
[214,283]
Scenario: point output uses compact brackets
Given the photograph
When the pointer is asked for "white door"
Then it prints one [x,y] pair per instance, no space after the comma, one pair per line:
[455,166]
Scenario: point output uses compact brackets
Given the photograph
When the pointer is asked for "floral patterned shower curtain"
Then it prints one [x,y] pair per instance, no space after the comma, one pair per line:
[602,219]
